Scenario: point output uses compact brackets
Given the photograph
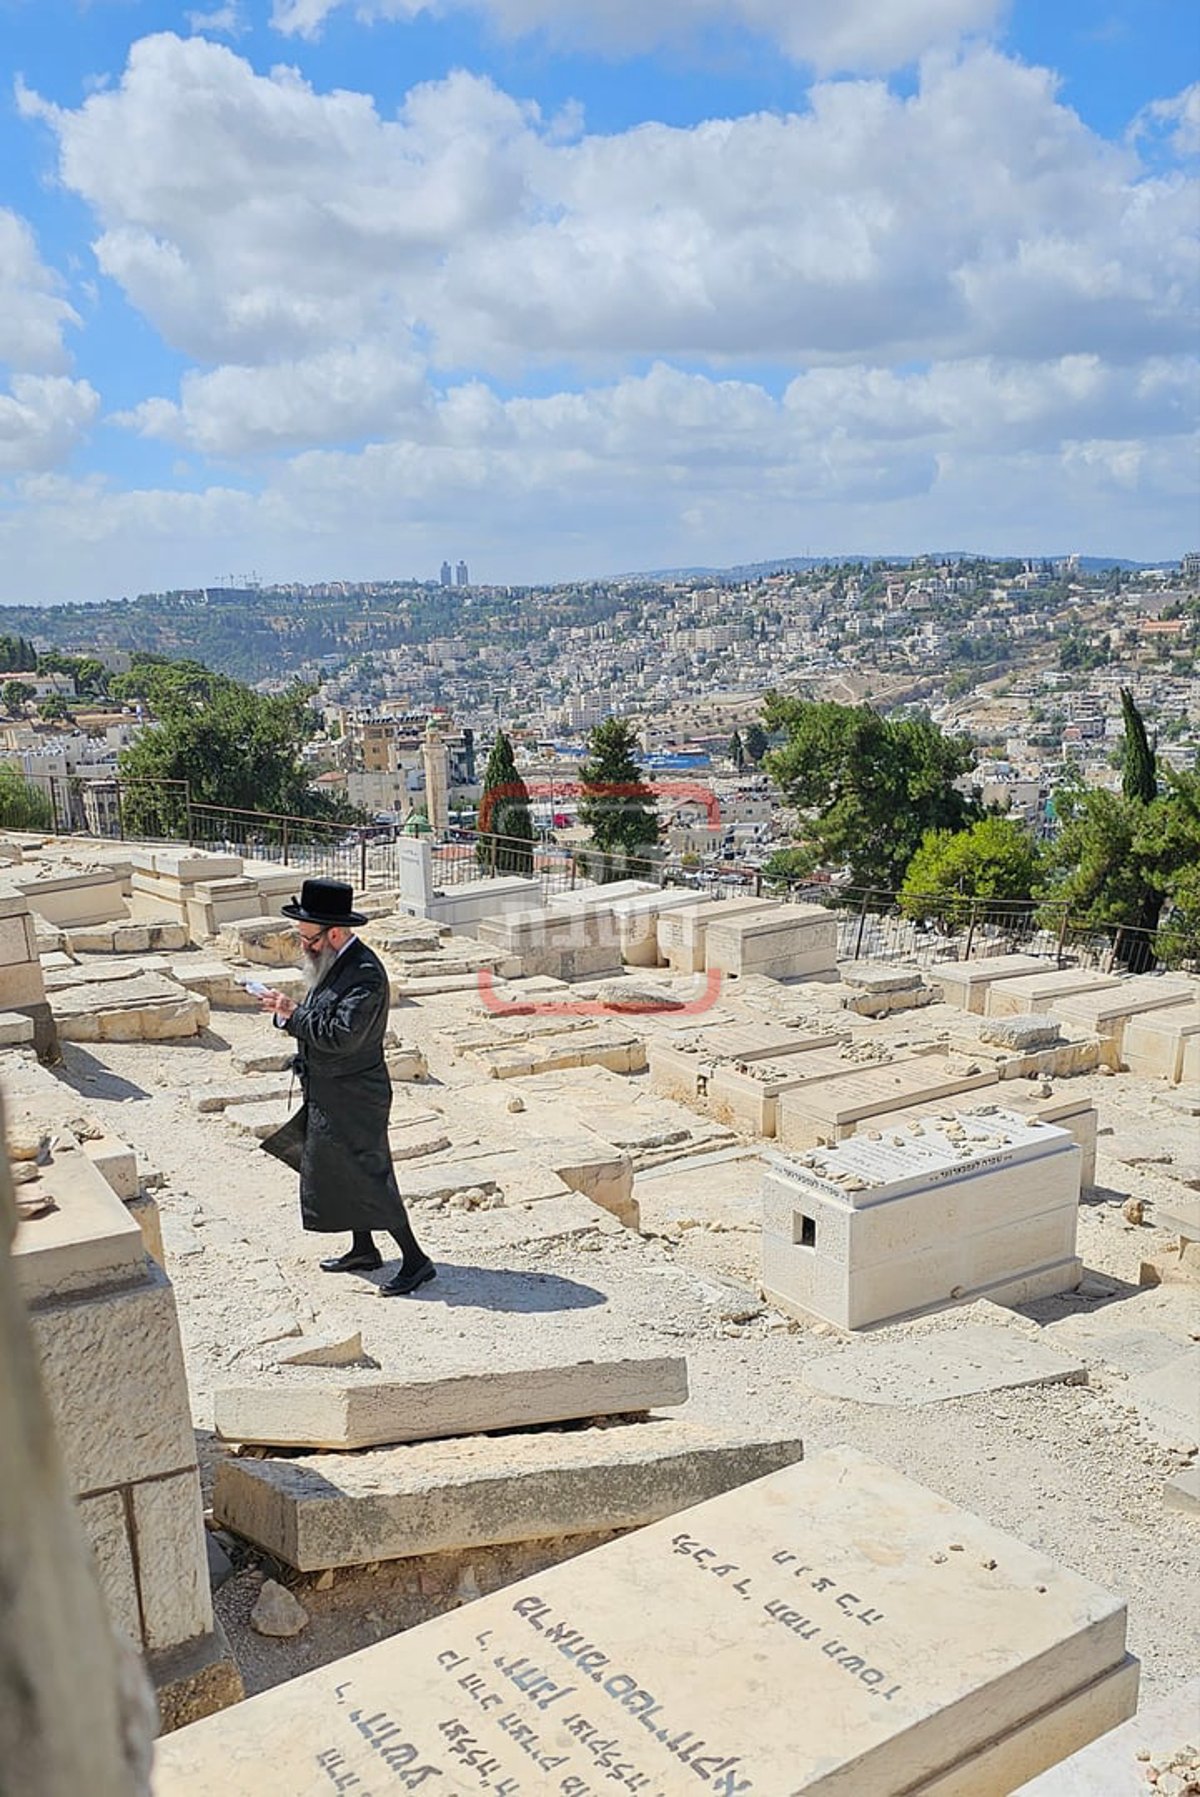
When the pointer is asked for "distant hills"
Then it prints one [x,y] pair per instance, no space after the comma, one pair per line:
[801,564]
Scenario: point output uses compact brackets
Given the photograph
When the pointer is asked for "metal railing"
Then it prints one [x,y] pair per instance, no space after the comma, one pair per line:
[872,924]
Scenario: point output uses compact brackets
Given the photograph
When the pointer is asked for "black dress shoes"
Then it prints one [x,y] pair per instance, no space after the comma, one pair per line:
[404,1282]
[353,1261]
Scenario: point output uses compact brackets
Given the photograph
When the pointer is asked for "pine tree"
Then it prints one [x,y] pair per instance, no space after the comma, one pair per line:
[757,742]
[1139,771]
[737,751]
[618,807]
[504,844]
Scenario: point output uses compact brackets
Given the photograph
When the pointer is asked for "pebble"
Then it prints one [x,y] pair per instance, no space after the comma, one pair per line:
[276,1612]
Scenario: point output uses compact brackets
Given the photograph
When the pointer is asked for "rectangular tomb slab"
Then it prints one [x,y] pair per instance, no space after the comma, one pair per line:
[325,1411]
[1038,991]
[436,1496]
[681,933]
[1109,1013]
[792,942]
[828,1110]
[832,1630]
[967,983]
[1162,1735]
[1165,1045]
[867,1231]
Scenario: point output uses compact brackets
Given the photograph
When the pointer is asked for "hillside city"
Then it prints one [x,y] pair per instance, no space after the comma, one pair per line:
[1026,659]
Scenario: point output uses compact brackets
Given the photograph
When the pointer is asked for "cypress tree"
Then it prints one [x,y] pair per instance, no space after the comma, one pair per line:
[1139,774]
[505,841]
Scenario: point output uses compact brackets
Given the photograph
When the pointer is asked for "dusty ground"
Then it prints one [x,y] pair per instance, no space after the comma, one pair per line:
[1066,1468]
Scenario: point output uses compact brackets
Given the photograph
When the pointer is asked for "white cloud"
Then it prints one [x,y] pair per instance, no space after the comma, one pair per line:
[977,313]
[33,314]
[226,19]
[658,470]
[831,35]
[42,417]
[43,413]
[255,221]
[1178,118]
[340,395]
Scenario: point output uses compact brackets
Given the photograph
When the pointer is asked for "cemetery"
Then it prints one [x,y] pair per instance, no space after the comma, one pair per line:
[807,1400]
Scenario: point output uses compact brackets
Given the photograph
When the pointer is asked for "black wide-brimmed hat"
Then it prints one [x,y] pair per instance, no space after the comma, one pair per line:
[325,902]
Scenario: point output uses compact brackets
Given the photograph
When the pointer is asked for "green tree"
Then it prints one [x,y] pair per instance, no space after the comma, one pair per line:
[737,751]
[757,742]
[506,845]
[617,807]
[22,806]
[1139,766]
[14,696]
[53,708]
[869,787]
[996,858]
[788,867]
[230,746]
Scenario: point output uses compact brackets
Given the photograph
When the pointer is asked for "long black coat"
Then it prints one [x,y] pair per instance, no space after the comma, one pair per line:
[346,1176]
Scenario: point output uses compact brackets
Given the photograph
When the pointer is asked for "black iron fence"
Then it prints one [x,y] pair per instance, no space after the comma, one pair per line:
[872,924]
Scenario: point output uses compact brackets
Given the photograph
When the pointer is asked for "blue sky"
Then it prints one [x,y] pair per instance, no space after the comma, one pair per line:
[322,288]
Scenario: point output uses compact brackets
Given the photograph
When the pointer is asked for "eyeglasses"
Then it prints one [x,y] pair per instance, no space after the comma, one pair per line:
[311,941]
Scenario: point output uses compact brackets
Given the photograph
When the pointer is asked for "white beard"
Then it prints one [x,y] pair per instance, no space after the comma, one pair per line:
[315,967]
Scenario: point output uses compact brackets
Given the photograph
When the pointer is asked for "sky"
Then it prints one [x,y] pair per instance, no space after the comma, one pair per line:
[338,289]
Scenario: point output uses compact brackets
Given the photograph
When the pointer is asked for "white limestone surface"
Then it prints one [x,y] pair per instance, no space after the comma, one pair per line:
[832,1630]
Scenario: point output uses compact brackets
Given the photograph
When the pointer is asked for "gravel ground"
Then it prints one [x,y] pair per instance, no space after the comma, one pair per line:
[1066,1468]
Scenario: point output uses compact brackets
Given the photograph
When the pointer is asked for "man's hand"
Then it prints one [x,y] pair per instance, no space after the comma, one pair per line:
[278,1003]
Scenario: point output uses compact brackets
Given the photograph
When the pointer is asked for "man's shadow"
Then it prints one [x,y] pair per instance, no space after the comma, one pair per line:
[493,1288]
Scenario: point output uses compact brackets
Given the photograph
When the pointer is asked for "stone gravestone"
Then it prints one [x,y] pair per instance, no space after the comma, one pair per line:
[76,1714]
[832,1628]
[972,1206]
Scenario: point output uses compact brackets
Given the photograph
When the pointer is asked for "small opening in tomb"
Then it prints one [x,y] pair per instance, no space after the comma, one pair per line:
[804,1230]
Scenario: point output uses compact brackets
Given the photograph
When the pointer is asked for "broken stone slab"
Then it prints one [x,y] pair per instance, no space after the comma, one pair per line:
[412,1142]
[398,1502]
[948,1363]
[316,1412]
[344,1350]
[637,995]
[150,1009]
[275,1060]
[266,1090]
[87,1241]
[570,1218]
[607,1045]
[90,973]
[869,1637]
[878,977]
[257,1120]
[265,941]
[1161,1736]
[1035,1030]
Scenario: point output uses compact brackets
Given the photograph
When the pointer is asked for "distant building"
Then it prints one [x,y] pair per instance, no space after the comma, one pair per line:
[444,577]
[1190,565]
[461,577]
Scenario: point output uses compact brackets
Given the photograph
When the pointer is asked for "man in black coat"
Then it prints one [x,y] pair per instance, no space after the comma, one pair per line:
[338,1142]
